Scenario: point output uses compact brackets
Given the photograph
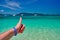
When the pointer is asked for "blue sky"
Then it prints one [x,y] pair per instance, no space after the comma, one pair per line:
[32,6]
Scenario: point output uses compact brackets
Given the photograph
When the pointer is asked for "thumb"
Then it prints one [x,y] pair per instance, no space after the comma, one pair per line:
[20,21]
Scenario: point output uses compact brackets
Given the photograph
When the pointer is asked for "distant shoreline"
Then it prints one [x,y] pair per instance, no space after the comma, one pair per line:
[29,14]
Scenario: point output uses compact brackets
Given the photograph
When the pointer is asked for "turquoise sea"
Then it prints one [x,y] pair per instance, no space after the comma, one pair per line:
[36,27]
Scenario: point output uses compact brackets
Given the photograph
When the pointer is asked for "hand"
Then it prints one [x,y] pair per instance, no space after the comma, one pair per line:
[20,27]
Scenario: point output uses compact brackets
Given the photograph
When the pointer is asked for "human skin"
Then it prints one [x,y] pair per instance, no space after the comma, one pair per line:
[10,33]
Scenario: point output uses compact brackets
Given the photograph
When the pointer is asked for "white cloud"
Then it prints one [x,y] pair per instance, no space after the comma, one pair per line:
[11,5]
[1,10]
[6,6]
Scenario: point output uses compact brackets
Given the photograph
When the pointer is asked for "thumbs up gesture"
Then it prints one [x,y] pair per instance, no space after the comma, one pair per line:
[20,27]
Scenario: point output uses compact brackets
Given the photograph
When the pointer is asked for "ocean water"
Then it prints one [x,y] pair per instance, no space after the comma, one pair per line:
[36,28]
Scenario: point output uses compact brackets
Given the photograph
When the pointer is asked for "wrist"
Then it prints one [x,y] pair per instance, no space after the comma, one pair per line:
[15,31]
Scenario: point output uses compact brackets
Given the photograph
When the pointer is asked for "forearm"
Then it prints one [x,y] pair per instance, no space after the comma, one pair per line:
[7,35]
[18,29]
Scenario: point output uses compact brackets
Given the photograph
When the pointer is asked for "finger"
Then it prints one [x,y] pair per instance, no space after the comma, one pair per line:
[21,26]
[22,29]
[20,21]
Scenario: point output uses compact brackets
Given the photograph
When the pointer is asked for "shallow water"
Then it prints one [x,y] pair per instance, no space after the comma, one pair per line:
[37,28]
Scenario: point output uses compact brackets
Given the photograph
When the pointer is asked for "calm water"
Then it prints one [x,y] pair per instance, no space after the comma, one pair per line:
[37,28]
